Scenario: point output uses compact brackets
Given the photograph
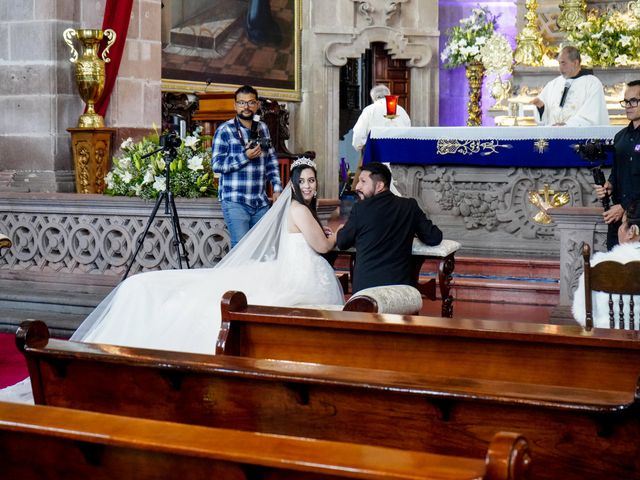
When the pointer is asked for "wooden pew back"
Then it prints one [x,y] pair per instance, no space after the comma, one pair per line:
[445,415]
[560,355]
[55,443]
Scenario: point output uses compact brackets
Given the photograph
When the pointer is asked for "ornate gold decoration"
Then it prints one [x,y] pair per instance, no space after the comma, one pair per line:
[91,149]
[475,74]
[497,58]
[90,74]
[469,147]
[545,199]
[634,8]
[573,12]
[541,145]
[529,44]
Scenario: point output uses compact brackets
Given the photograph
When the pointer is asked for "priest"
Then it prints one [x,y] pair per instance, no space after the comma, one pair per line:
[575,98]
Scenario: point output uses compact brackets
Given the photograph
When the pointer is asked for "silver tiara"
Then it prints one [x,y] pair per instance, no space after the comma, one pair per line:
[304,161]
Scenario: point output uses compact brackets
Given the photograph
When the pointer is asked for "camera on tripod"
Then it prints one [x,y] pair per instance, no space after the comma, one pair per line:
[170,140]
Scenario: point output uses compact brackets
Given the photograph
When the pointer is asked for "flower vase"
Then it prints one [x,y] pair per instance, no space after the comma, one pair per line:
[475,75]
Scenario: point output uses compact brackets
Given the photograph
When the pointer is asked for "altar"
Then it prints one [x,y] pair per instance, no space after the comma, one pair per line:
[475,182]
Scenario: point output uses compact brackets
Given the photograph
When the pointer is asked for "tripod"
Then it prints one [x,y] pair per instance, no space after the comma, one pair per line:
[169,154]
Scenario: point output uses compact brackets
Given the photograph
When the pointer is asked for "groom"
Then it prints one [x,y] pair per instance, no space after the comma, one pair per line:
[382,226]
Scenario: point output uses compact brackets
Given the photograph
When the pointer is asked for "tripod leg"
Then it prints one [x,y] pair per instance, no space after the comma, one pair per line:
[178,239]
[141,238]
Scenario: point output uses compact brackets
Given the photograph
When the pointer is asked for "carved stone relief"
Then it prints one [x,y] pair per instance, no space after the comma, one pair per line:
[488,207]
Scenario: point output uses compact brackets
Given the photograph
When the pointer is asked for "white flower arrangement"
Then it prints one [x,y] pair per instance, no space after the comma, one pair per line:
[610,38]
[190,172]
[466,39]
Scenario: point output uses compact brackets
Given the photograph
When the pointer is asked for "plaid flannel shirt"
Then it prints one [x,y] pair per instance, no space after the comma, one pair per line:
[243,180]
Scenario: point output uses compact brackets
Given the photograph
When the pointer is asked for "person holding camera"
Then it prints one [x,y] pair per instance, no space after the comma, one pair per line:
[245,159]
[623,185]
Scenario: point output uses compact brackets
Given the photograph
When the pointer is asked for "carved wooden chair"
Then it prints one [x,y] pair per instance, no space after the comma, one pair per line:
[5,242]
[621,281]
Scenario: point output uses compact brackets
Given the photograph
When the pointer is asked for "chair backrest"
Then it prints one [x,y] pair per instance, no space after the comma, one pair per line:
[621,281]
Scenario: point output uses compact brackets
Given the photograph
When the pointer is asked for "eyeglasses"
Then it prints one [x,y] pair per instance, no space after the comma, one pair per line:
[250,103]
[632,102]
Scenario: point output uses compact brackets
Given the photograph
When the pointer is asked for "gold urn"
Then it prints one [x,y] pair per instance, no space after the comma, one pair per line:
[90,70]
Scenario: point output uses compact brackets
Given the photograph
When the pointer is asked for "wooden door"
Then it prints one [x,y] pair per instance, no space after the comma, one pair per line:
[392,73]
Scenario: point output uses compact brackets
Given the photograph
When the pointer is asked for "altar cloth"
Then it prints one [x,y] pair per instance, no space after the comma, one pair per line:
[538,147]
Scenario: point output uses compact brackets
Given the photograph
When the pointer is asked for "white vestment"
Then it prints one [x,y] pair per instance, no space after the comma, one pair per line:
[584,103]
[374,116]
[623,253]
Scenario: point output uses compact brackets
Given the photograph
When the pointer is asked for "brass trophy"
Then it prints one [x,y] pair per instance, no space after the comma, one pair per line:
[90,70]
[91,140]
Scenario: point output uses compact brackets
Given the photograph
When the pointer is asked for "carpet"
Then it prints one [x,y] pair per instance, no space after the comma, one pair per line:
[13,366]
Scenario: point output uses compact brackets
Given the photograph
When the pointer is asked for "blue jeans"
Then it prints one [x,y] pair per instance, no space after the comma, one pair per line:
[240,217]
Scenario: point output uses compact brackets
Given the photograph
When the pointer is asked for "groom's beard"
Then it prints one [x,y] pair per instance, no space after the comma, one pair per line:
[246,115]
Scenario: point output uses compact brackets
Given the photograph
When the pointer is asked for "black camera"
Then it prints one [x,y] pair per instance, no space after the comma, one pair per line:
[265,143]
[170,140]
[594,150]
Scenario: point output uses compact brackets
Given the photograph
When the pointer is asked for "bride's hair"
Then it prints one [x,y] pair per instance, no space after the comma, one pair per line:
[296,193]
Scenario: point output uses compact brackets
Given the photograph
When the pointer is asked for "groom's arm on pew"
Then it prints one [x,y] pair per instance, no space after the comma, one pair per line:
[561,355]
[37,441]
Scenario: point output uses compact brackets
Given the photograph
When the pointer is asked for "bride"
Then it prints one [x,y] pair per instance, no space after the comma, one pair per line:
[276,263]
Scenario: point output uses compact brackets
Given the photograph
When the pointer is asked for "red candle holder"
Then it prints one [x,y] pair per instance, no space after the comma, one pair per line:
[392,105]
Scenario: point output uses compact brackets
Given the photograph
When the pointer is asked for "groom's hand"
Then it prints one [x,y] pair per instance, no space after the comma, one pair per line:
[274,196]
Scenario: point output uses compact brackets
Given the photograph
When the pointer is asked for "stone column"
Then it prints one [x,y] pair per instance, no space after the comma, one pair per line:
[335,31]
[576,225]
[38,95]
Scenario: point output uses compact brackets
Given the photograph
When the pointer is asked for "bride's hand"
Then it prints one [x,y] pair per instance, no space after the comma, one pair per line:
[327,231]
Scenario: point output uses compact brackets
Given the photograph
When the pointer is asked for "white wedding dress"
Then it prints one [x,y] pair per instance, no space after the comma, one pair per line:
[179,310]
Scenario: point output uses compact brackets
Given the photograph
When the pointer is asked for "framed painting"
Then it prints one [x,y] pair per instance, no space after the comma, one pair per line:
[218,45]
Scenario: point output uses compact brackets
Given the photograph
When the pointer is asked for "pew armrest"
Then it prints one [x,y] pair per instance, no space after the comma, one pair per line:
[444,249]
[398,299]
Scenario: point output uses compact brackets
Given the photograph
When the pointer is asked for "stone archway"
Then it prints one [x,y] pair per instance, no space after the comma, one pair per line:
[409,31]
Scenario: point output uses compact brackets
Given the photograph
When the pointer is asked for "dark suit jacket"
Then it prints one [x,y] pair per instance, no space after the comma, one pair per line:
[382,229]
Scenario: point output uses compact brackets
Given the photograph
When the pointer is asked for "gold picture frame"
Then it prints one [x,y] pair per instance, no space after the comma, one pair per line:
[210,45]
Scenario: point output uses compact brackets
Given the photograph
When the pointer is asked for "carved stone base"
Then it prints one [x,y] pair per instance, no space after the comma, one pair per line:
[91,149]
[487,210]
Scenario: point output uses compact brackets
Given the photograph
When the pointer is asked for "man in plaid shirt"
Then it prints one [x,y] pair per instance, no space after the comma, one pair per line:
[244,166]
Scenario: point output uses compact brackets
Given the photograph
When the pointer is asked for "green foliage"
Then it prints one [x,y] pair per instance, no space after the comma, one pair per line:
[190,172]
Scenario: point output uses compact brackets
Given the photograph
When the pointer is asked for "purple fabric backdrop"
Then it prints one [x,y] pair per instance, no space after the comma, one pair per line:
[453,83]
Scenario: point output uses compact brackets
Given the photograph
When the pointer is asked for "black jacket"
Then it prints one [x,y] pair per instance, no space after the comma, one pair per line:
[382,229]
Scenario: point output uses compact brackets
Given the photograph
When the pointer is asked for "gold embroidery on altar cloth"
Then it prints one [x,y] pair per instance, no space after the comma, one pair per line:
[469,147]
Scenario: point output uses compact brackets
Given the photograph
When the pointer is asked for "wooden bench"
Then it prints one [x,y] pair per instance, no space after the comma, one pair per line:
[55,443]
[561,355]
[577,433]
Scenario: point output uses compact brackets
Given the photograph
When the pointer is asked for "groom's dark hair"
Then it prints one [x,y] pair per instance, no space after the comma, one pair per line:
[379,172]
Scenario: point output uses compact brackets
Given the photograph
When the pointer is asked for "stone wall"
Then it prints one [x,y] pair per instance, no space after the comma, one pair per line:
[38,96]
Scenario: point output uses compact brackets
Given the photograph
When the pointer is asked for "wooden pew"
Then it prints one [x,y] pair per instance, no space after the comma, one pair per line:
[56,443]
[577,433]
[561,355]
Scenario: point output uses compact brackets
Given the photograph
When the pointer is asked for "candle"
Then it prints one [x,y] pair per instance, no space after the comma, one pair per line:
[392,104]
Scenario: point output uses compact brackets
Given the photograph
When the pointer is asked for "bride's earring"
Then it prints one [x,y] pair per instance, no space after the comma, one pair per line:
[315,194]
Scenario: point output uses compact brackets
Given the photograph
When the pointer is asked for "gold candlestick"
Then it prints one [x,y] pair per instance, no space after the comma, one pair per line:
[529,43]
[573,13]
[475,75]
